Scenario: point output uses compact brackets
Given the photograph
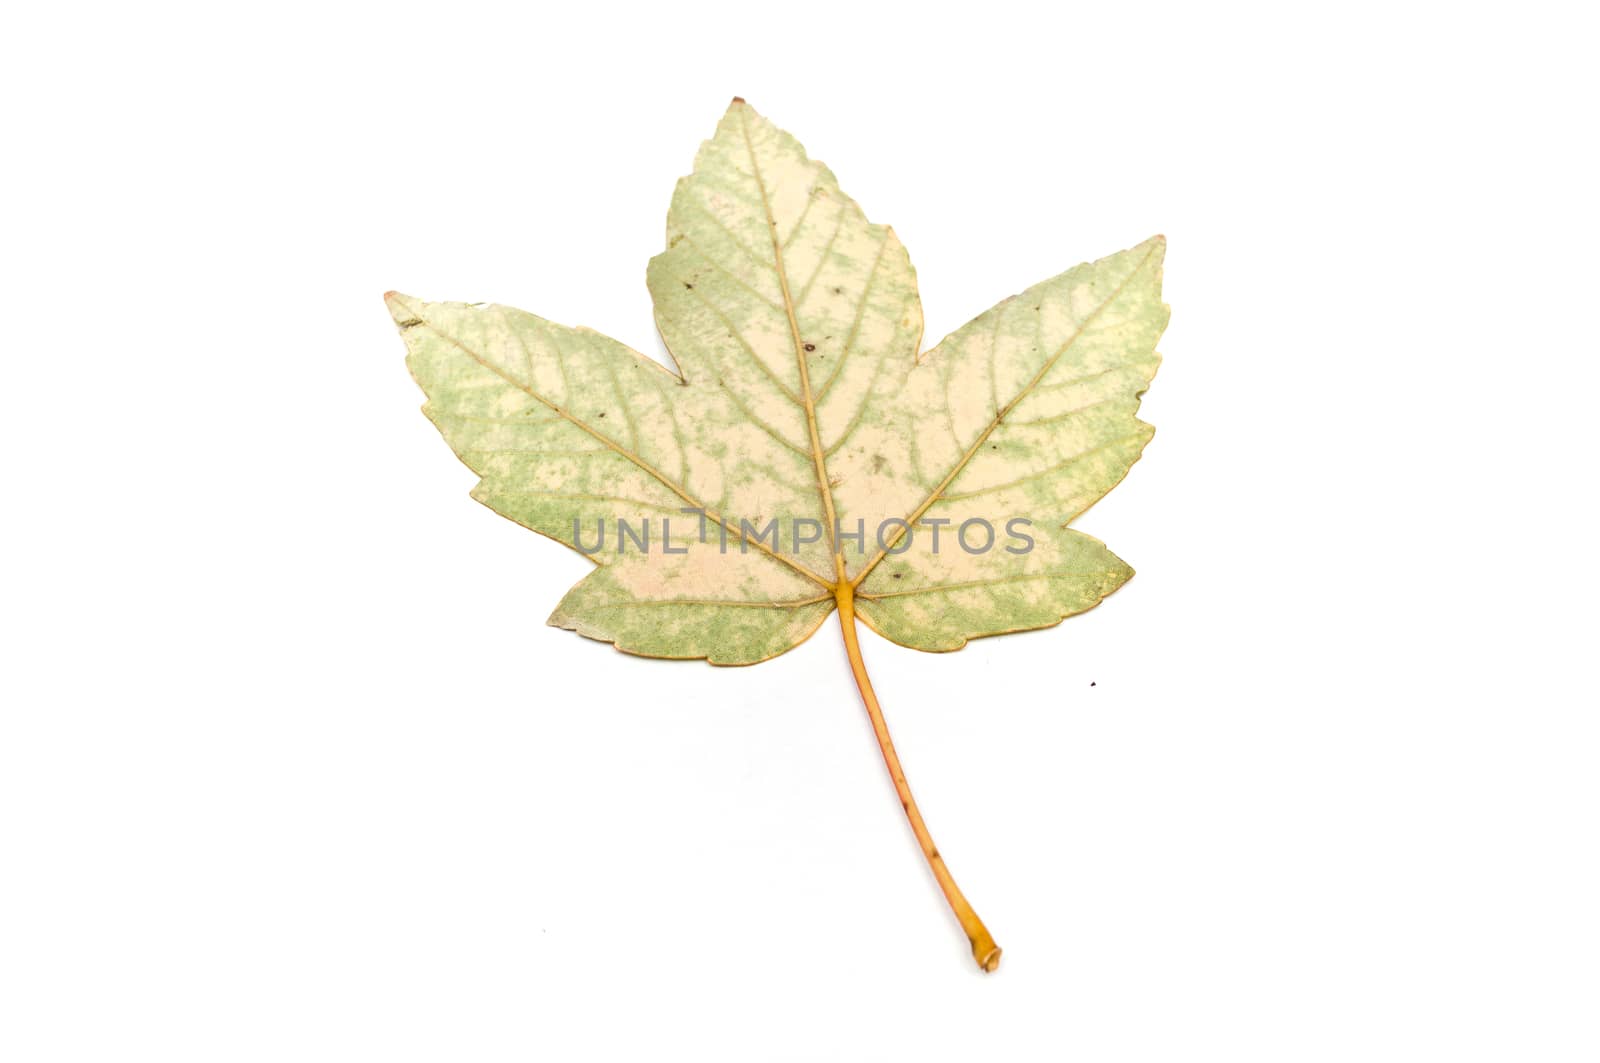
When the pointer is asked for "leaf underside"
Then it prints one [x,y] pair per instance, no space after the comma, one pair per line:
[795,324]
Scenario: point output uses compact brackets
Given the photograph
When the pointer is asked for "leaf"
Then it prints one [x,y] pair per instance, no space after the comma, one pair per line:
[805,458]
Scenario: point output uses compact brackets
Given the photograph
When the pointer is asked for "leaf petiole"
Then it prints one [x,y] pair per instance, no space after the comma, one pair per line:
[984,950]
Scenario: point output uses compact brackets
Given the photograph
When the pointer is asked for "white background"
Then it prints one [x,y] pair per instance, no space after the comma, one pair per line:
[291,768]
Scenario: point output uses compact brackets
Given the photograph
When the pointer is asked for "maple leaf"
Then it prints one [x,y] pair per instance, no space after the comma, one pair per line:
[805,458]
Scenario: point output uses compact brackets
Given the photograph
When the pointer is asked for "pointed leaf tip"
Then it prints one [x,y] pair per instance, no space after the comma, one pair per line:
[401,308]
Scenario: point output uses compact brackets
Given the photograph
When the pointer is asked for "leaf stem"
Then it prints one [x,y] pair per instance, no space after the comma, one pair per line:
[984,950]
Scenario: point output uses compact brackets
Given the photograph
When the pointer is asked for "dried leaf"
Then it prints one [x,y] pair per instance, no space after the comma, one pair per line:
[805,458]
